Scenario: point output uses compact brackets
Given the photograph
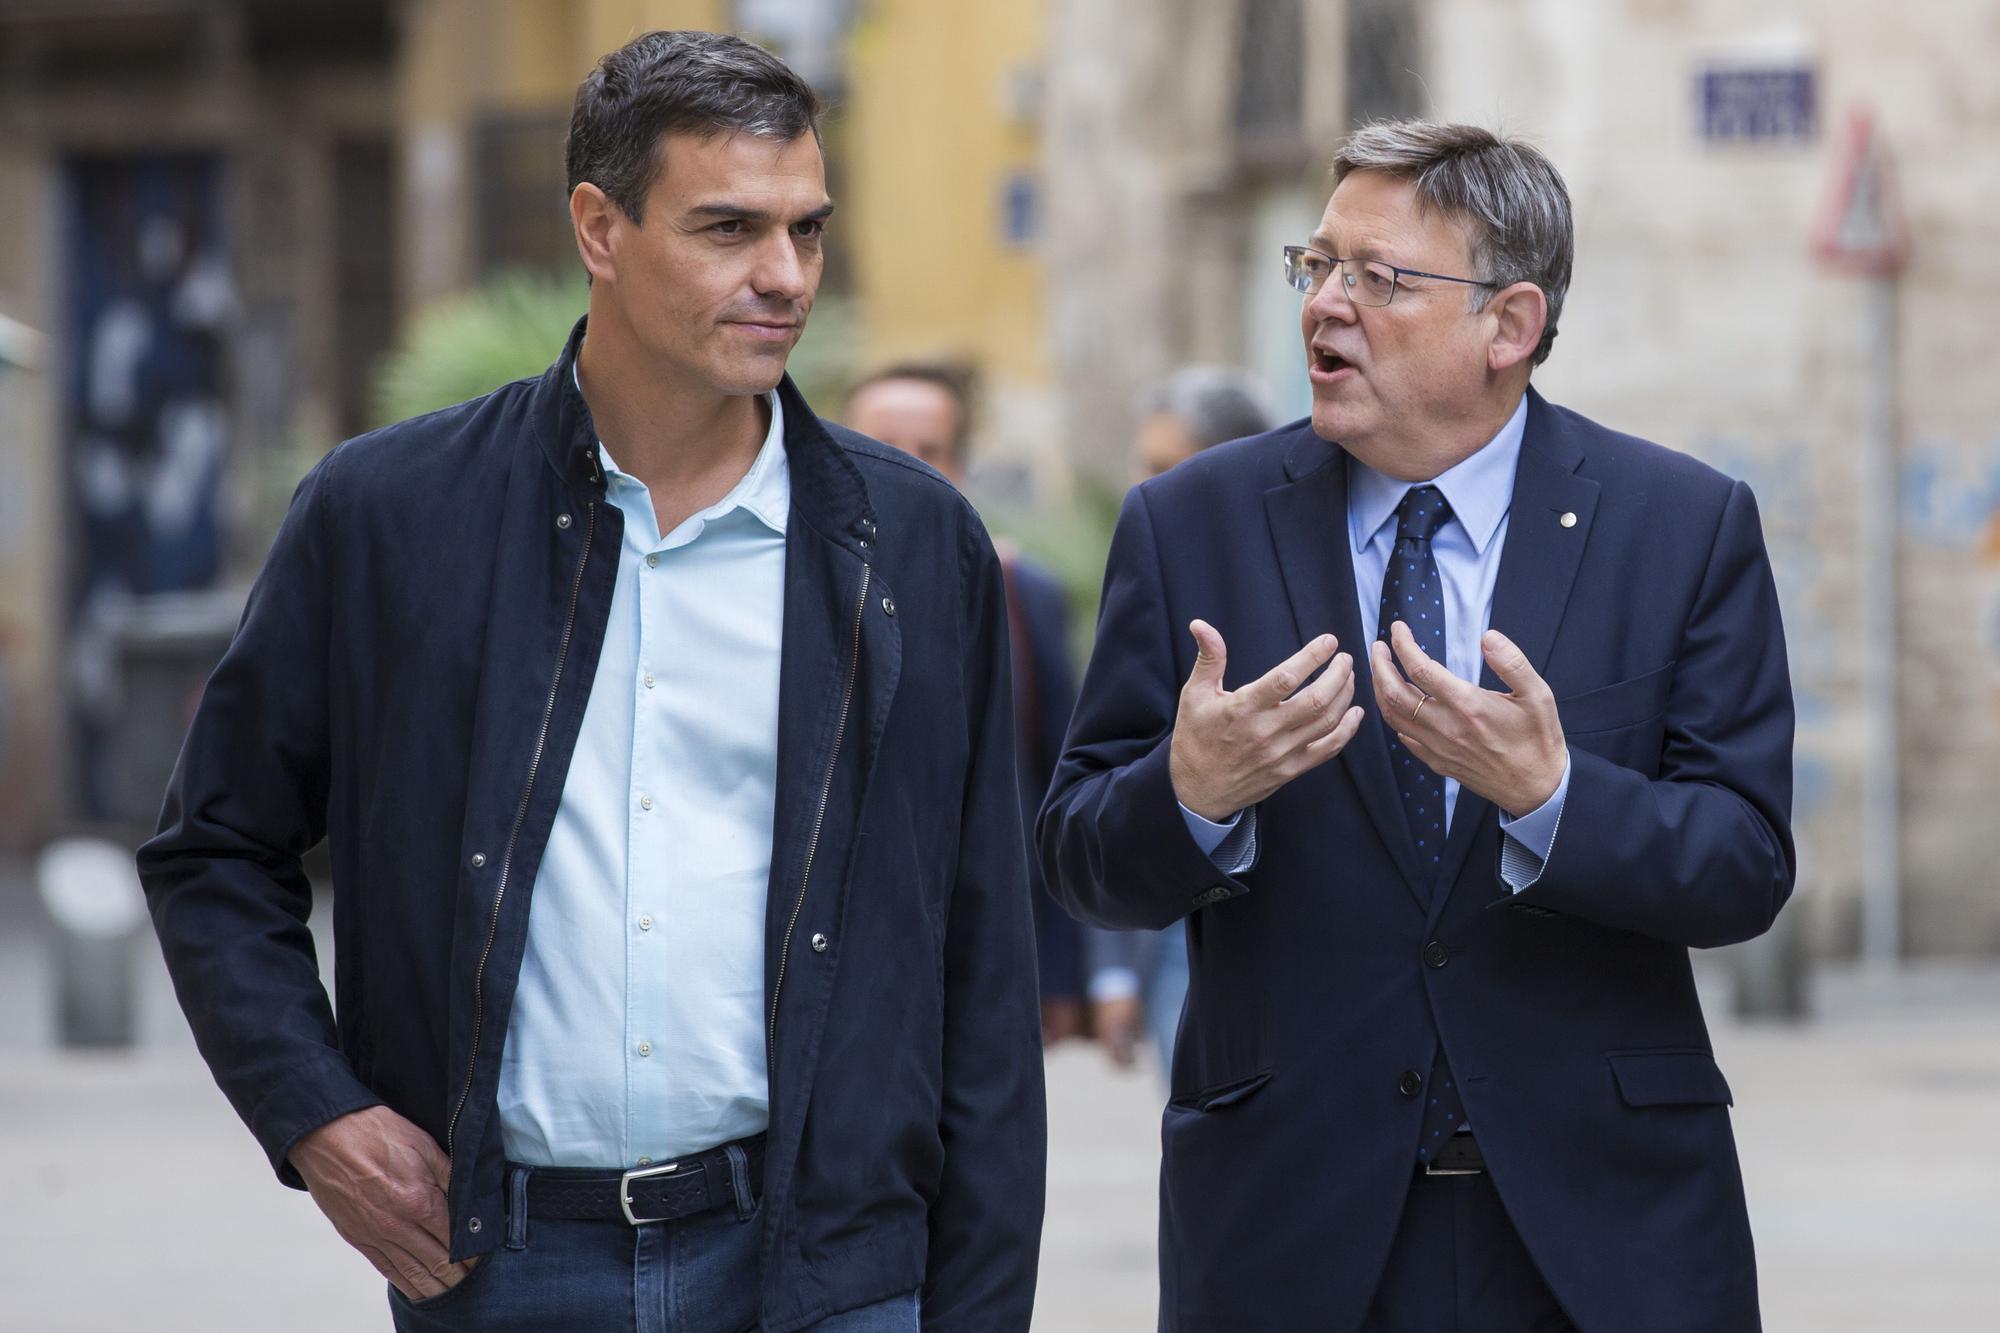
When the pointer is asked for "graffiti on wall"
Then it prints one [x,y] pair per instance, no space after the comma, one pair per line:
[1950,506]
[1779,475]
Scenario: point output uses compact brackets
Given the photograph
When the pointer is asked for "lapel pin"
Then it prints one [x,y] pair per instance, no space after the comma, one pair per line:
[1568,519]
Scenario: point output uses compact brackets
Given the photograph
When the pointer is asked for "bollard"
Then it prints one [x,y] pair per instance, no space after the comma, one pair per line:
[90,889]
[1771,970]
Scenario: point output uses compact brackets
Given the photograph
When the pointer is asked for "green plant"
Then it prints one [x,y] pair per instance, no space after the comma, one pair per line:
[467,345]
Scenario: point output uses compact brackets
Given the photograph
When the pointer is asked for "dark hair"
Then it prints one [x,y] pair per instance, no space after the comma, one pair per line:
[666,82]
[958,381]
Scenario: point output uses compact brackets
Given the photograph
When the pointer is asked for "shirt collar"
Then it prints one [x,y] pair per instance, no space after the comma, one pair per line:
[1479,489]
[765,491]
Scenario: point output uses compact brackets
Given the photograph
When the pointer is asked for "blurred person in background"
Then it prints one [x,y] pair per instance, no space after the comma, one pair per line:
[663,739]
[1139,978]
[926,410]
[1443,1065]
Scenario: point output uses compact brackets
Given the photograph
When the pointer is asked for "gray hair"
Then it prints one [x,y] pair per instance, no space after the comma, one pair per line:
[1213,402]
[1510,197]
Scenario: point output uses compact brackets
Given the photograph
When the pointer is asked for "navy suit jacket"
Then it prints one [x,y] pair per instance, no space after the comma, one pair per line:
[1044,694]
[1328,972]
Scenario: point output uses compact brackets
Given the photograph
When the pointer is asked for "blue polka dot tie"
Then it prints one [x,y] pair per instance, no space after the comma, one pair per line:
[1413,593]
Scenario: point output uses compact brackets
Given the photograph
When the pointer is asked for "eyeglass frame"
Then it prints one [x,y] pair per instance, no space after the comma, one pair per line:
[1397,272]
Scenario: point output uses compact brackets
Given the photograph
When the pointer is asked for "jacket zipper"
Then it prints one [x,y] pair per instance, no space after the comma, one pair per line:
[819,821]
[520,816]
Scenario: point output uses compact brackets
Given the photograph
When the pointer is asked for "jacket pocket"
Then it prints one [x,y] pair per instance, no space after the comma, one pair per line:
[1668,1078]
[1624,703]
[1216,1096]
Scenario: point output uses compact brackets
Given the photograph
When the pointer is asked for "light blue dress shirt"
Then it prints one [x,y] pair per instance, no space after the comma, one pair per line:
[637,1033]
[1480,491]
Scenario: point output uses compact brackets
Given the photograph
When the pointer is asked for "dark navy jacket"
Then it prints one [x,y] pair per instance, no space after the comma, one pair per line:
[1636,581]
[408,682]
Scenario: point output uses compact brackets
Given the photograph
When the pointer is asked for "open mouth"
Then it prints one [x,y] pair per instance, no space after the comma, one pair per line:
[1329,363]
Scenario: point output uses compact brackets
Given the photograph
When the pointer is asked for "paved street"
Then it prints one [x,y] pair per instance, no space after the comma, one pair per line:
[136,1201]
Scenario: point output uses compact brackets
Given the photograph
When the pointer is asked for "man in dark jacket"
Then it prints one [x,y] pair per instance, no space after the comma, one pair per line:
[662,737]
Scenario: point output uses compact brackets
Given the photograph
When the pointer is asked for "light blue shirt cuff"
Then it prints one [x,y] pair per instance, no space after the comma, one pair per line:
[1232,846]
[1525,842]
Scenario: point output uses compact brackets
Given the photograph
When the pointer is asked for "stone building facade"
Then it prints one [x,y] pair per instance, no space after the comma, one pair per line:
[1700,140]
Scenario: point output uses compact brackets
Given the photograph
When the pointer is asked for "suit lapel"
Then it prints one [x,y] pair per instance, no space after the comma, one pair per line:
[1308,518]
[1537,570]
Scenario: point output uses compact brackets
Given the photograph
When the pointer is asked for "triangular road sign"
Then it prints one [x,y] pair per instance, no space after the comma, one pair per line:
[1860,227]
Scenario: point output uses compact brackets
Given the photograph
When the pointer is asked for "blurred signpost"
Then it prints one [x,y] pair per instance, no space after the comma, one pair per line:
[1861,231]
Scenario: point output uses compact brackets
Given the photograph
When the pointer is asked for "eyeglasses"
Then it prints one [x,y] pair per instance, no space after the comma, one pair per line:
[1367,281]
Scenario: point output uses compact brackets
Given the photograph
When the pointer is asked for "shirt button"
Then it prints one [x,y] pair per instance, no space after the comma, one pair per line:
[478,860]
[645,1161]
[562,521]
[645,923]
[649,680]
[645,1048]
[819,943]
[645,803]
[652,562]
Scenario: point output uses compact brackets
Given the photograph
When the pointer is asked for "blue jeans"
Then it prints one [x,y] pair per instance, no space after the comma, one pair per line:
[695,1275]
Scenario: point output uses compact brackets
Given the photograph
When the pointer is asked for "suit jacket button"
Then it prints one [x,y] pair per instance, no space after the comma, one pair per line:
[1436,954]
[1411,1083]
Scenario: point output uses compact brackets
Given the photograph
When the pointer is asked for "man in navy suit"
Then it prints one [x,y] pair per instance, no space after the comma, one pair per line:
[1442,1066]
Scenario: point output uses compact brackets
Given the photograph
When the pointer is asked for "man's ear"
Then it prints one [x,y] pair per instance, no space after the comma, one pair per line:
[598,223]
[1519,313]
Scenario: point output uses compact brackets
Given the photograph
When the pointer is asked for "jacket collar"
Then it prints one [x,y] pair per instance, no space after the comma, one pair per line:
[827,489]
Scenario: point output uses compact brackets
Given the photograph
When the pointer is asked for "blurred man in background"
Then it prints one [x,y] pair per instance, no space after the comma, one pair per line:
[926,410]
[663,741]
[1139,978]
[1443,1067]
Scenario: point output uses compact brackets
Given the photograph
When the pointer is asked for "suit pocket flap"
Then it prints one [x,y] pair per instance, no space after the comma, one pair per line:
[1669,1078]
[1223,1094]
[1622,704]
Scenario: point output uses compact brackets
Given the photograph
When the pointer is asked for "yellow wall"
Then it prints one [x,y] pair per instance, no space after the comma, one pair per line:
[547,46]
[464,58]
[930,140]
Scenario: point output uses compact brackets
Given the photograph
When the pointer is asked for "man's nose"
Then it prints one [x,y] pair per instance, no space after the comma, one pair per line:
[1330,301]
[781,271]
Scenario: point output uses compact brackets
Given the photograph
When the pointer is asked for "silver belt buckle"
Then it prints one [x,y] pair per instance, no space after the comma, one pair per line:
[1433,1169]
[625,1190]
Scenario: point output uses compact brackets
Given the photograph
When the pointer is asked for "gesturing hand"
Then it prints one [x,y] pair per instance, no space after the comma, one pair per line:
[1508,747]
[1231,749]
[381,1181]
